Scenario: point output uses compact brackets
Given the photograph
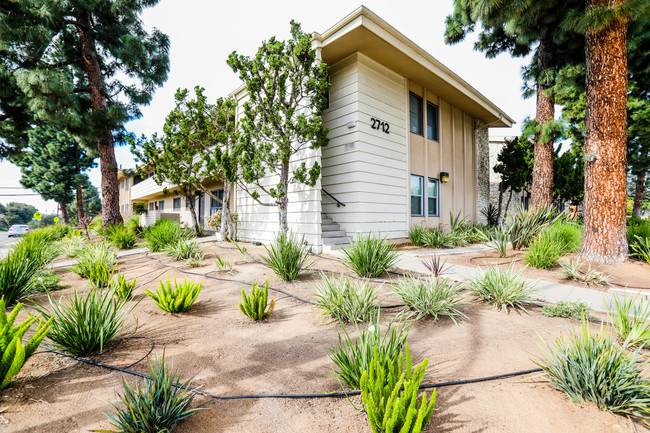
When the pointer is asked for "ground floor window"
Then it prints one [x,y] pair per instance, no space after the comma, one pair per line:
[432,198]
[161,205]
[417,196]
[177,204]
[216,205]
[151,205]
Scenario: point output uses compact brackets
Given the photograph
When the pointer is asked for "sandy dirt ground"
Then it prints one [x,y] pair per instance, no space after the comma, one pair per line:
[228,355]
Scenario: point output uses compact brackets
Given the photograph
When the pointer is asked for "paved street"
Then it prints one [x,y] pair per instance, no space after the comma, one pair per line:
[5,243]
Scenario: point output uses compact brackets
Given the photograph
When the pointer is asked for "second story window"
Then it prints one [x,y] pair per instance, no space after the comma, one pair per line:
[415,113]
[432,121]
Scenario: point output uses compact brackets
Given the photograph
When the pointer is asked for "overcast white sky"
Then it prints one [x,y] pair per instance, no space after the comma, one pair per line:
[204,32]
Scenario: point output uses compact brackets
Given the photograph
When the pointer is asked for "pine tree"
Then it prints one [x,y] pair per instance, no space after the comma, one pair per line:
[90,204]
[84,66]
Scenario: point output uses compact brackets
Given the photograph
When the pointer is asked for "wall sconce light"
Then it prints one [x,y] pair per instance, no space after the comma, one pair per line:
[444,177]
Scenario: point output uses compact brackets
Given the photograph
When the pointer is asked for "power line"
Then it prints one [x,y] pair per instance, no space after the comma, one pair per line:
[15,195]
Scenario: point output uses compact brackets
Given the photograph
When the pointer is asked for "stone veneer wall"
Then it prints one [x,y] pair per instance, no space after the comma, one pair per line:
[483,168]
[495,147]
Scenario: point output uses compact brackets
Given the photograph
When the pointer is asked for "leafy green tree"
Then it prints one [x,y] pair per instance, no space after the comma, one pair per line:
[515,165]
[568,176]
[85,66]
[18,213]
[91,203]
[286,85]
[53,165]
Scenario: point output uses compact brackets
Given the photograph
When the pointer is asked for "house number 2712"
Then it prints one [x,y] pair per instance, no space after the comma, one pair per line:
[379,125]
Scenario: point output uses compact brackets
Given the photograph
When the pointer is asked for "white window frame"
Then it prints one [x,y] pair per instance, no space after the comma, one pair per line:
[436,213]
[421,181]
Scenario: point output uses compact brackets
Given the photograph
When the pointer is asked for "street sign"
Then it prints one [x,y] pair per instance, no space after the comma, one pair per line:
[56,219]
[38,216]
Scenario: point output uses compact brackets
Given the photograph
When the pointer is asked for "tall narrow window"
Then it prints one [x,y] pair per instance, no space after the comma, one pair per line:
[417,196]
[216,205]
[176,204]
[161,205]
[432,121]
[151,205]
[432,198]
[415,111]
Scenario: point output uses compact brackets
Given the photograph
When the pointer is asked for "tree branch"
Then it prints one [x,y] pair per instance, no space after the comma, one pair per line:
[81,89]
[66,63]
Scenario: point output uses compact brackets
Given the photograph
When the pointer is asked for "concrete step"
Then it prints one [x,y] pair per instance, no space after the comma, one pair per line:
[342,240]
[335,234]
[330,227]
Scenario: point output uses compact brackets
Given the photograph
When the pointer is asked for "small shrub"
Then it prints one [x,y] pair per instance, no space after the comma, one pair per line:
[122,288]
[120,236]
[491,214]
[436,238]
[434,297]
[17,273]
[72,245]
[389,391]
[164,233]
[416,234]
[51,233]
[185,249]
[134,224]
[544,252]
[13,352]
[630,320]
[499,238]
[641,248]
[286,256]
[369,256]
[566,233]
[503,288]
[97,263]
[435,266]
[526,224]
[223,265]
[591,368]
[158,406]
[257,305]
[45,281]
[571,269]
[176,299]
[36,247]
[637,227]
[345,300]
[95,226]
[353,357]
[571,310]
[87,322]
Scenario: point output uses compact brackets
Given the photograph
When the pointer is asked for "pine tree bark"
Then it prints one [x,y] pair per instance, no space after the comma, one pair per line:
[64,213]
[105,143]
[638,194]
[81,215]
[604,233]
[542,189]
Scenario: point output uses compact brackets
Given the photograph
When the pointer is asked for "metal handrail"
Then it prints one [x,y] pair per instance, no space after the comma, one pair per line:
[338,203]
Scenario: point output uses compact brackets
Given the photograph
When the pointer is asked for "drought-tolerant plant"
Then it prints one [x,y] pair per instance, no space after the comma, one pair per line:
[571,310]
[177,298]
[241,249]
[345,300]
[526,224]
[592,368]
[185,249]
[87,322]
[223,265]
[369,256]
[120,235]
[123,289]
[13,353]
[36,247]
[352,357]
[97,263]
[17,274]
[637,227]
[95,226]
[134,224]
[503,288]
[157,406]
[435,266]
[566,233]
[389,391]
[491,214]
[287,256]
[630,320]
[416,234]
[436,238]
[544,252]
[572,270]
[51,233]
[45,281]
[164,233]
[257,305]
[498,239]
[433,297]
[72,245]
[641,248]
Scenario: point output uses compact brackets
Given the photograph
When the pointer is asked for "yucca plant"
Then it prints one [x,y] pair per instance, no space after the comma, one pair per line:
[435,265]
[157,406]
[389,391]
[287,256]
[164,233]
[177,298]
[13,353]
[122,288]
[185,249]
[630,320]
[526,224]
[97,263]
[498,239]
[434,297]
[640,248]
[86,322]
[345,300]
[257,305]
[503,288]
[120,236]
[72,245]
[571,310]
[369,256]
[572,270]
[592,368]
[17,273]
[353,357]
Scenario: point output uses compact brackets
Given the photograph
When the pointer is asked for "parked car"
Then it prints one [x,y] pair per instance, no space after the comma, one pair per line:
[18,230]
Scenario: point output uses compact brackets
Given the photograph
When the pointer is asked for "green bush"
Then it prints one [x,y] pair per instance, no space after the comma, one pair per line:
[389,391]
[185,249]
[591,368]
[86,323]
[369,256]
[164,233]
[526,224]
[352,358]
[544,252]
[158,406]
[345,300]
[287,256]
[641,248]
[120,236]
[72,245]
[36,247]
[176,299]
[13,353]
[257,305]
[630,320]
[498,239]
[568,234]
[416,234]
[571,310]
[51,233]
[433,297]
[503,288]
[122,288]
[637,227]
[17,273]
[436,238]
[97,263]
[45,281]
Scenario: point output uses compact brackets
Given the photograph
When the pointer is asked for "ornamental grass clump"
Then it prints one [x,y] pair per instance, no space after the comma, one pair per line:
[36,247]
[13,351]
[570,310]
[498,239]
[544,252]
[257,305]
[630,320]
[434,297]
[345,300]
[416,234]
[640,248]
[287,256]
[86,322]
[592,368]
[526,224]
[353,357]
[123,289]
[121,236]
[369,256]
[97,263]
[17,274]
[503,288]
[157,406]
[437,238]
[164,233]
[389,391]
[72,245]
[177,298]
[185,249]
[572,270]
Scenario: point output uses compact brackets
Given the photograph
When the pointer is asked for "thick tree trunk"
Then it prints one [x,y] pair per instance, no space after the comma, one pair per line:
[604,235]
[283,201]
[542,190]
[227,229]
[105,144]
[638,194]
[64,213]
